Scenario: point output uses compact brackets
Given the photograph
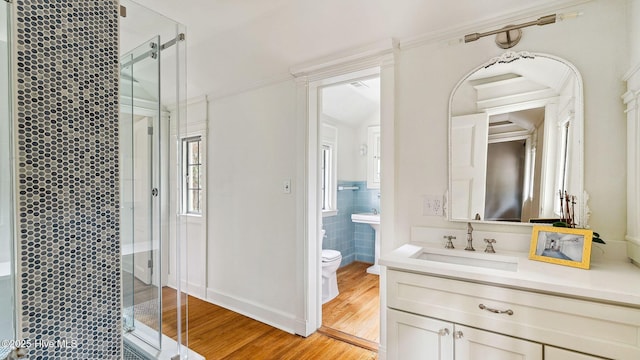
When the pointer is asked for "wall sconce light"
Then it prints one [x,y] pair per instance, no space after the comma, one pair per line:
[510,35]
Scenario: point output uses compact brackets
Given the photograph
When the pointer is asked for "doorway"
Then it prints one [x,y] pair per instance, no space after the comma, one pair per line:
[347,115]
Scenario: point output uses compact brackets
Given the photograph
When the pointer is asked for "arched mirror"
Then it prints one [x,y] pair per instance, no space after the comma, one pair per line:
[516,142]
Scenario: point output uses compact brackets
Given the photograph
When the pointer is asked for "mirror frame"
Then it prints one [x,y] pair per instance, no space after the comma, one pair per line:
[582,211]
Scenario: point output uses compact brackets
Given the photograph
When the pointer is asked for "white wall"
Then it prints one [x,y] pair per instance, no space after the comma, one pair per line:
[347,161]
[255,251]
[594,43]
[634,31]
[352,166]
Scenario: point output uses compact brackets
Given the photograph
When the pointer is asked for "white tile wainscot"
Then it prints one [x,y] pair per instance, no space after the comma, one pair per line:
[471,311]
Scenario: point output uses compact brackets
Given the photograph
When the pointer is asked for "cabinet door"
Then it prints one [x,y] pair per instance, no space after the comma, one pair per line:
[473,344]
[412,337]
[552,353]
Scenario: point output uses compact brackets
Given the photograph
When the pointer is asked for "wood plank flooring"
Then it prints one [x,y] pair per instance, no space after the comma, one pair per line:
[218,333]
[356,309]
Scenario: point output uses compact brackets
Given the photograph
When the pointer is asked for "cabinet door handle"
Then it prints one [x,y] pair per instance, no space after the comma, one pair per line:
[443,332]
[458,335]
[495,311]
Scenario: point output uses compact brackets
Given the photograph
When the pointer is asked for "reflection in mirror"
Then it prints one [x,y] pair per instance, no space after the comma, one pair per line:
[515,141]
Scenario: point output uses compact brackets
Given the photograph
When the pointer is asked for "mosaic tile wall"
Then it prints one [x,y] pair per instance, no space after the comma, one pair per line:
[67,152]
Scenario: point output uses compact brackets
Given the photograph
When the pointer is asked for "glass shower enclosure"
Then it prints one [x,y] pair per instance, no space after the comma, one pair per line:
[7,273]
[141,131]
[152,88]
[152,83]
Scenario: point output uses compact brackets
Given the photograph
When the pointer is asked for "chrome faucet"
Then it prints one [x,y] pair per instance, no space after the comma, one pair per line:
[469,238]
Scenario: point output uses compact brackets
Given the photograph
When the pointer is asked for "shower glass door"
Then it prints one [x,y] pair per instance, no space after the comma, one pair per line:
[140,215]
[7,287]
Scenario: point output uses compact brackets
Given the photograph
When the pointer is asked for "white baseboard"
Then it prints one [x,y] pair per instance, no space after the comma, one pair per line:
[199,291]
[382,352]
[276,318]
[192,289]
[302,328]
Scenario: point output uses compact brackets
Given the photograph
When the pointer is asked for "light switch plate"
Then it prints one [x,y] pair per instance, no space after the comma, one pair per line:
[286,186]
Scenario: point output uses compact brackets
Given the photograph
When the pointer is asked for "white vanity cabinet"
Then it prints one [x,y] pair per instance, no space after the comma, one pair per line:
[419,337]
[456,319]
[473,344]
[553,353]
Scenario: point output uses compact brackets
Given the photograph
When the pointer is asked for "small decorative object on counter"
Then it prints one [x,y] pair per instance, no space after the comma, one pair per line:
[568,209]
[561,245]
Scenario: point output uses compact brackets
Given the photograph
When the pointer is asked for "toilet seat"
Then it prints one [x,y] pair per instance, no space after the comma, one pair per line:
[330,255]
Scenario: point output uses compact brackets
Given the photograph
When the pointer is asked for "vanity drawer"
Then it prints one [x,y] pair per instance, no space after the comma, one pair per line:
[606,330]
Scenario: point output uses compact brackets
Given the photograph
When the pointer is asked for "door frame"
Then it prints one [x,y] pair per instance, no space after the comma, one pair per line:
[375,60]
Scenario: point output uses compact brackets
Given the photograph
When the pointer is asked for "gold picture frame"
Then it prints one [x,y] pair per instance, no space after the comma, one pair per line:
[563,246]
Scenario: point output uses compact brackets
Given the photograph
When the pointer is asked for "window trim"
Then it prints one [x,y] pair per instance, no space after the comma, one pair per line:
[186,165]
[329,139]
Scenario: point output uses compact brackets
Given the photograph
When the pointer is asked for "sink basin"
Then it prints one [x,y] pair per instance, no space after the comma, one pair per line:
[366,218]
[482,260]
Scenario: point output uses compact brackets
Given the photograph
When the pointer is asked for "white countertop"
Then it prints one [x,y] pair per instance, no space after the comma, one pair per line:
[611,281]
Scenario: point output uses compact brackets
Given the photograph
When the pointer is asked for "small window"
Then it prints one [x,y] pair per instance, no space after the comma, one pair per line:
[328,162]
[193,175]
[326,177]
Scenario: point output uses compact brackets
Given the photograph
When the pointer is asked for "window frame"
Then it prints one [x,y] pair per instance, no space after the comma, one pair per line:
[186,173]
[328,172]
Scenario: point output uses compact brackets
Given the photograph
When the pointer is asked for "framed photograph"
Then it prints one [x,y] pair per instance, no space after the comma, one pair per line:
[564,246]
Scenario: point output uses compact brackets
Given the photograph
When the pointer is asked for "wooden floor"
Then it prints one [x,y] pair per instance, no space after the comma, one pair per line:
[217,333]
[356,310]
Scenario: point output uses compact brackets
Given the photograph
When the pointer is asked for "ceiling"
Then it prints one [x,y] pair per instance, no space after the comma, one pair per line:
[233,45]
[354,103]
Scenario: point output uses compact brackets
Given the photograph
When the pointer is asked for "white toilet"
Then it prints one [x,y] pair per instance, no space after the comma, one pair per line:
[330,263]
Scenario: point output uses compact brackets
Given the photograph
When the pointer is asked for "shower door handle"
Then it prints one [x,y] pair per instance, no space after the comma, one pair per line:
[154,192]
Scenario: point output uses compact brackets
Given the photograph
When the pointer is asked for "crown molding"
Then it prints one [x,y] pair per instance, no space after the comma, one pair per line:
[455,35]
[380,53]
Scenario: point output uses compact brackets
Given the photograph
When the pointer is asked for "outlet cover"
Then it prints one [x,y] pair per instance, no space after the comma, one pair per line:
[432,205]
